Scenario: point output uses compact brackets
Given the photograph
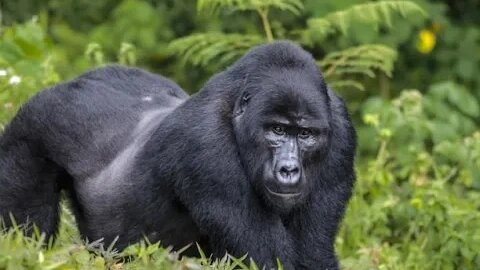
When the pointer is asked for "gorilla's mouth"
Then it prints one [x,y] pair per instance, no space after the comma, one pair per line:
[287,195]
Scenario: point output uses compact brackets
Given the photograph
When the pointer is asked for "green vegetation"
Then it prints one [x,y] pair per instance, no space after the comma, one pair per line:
[407,69]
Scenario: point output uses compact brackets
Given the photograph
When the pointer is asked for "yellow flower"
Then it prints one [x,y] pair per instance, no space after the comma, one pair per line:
[426,41]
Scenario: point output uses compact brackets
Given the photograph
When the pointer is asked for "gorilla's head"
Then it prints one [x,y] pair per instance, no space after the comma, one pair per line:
[281,122]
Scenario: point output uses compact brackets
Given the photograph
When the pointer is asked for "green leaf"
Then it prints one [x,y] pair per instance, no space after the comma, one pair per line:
[456,95]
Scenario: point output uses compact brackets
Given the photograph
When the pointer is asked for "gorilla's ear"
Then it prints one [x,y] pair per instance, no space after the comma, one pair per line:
[241,104]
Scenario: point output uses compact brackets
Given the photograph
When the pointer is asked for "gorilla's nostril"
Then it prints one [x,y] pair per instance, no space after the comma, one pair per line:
[289,174]
[289,170]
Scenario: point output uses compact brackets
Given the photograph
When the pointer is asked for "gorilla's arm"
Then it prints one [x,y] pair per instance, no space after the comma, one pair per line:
[241,229]
[317,224]
[233,218]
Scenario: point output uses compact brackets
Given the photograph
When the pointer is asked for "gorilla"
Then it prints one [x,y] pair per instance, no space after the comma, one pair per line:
[259,162]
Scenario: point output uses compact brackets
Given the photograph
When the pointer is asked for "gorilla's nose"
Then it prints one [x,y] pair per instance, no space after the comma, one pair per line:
[288,172]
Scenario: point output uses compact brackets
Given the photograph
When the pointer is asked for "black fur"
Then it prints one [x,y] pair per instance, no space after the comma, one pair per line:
[139,158]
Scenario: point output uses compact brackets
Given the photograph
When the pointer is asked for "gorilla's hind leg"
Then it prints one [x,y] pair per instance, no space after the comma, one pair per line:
[28,187]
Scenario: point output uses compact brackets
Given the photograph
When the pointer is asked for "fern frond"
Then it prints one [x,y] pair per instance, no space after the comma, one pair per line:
[377,14]
[294,6]
[213,48]
[347,84]
[361,60]
[355,70]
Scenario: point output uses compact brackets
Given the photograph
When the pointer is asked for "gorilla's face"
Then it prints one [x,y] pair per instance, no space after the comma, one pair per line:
[282,130]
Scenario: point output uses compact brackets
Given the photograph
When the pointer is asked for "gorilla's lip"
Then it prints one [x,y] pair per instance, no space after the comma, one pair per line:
[284,195]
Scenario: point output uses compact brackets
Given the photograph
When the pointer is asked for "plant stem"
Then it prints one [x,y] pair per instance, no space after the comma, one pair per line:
[266,24]
[381,155]
[384,86]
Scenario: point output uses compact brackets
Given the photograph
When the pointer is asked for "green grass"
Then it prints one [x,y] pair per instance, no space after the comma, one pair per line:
[68,251]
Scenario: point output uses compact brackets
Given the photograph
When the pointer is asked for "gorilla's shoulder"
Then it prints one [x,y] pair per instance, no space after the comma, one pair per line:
[113,71]
[117,75]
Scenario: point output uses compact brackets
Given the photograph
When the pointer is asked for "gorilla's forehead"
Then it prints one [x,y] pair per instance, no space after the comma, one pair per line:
[302,106]
[293,92]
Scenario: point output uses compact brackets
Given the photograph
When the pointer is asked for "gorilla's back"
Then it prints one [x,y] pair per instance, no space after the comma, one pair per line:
[87,123]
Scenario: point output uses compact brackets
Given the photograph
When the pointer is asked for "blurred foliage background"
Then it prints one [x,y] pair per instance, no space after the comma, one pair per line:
[408,71]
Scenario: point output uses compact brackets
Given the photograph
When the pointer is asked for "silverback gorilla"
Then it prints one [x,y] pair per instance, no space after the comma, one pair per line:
[260,161]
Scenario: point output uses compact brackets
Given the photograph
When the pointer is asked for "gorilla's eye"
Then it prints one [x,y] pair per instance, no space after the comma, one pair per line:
[305,133]
[279,130]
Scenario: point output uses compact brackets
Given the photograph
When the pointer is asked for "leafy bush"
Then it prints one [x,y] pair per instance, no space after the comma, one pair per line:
[26,65]
[416,204]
